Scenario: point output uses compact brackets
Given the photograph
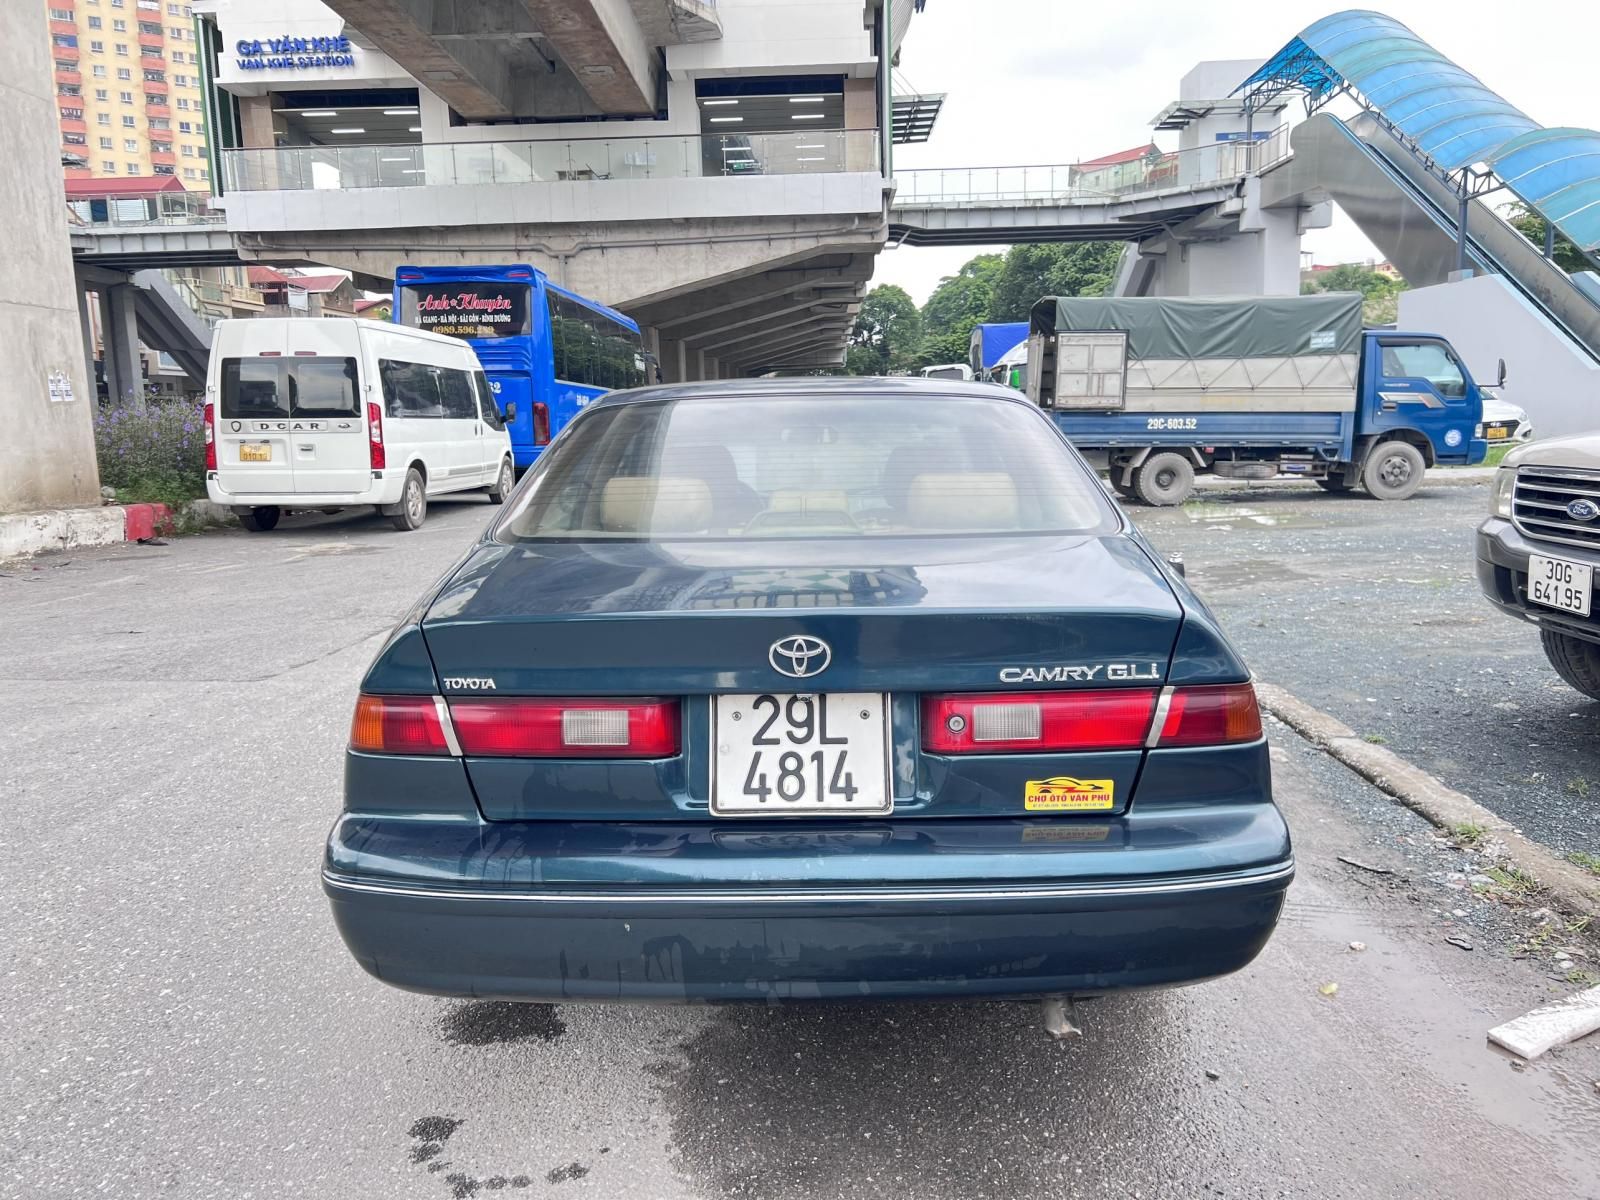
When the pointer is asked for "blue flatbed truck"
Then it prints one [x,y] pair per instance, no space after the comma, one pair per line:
[1155,390]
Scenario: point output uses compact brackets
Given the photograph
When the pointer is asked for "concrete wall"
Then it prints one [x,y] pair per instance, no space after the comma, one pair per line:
[1486,320]
[761,36]
[47,443]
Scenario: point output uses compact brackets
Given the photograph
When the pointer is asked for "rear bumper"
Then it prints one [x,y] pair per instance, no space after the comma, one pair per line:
[1017,934]
[382,491]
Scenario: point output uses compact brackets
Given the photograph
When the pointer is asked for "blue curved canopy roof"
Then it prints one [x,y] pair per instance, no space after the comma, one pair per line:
[1446,112]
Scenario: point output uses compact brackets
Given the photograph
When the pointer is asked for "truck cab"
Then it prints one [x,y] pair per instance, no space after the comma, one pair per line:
[1415,386]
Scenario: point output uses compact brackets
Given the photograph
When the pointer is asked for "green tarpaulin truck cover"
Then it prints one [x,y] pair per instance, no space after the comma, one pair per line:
[1212,326]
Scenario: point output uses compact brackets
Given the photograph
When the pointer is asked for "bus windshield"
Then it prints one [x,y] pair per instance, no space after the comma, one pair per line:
[467,310]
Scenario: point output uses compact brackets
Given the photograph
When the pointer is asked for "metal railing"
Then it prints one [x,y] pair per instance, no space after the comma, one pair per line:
[303,168]
[1156,172]
[164,208]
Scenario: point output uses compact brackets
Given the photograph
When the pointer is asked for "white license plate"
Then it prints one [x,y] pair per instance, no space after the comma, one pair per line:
[781,755]
[1557,583]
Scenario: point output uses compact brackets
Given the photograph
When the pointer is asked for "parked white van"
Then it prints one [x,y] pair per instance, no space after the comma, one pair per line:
[330,413]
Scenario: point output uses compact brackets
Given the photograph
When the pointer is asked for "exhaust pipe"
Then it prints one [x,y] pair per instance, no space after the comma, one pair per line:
[1060,1017]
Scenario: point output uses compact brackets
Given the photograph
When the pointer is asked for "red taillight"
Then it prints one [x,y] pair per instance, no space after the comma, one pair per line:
[1062,722]
[1211,716]
[566,728]
[210,421]
[398,725]
[375,436]
[1007,722]
[541,424]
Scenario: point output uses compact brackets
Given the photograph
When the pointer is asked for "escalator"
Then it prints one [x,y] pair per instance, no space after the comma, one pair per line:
[1411,217]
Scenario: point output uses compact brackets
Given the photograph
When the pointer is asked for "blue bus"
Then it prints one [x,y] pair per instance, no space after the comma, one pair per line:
[545,350]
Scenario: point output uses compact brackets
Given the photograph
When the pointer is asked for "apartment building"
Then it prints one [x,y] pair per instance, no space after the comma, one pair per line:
[128,90]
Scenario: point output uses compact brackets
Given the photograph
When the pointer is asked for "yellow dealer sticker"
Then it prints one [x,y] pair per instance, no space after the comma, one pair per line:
[1065,794]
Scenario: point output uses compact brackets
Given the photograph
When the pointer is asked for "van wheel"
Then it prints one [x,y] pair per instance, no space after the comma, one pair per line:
[1164,479]
[1393,470]
[413,507]
[1575,660]
[261,520]
[503,483]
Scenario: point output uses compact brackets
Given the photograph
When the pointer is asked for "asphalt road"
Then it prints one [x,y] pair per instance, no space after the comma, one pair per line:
[1371,612]
[181,1020]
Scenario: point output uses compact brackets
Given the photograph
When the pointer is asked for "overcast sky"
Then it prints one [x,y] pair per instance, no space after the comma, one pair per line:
[1045,81]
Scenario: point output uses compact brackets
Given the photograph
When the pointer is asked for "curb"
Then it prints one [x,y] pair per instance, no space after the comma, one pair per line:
[1571,888]
[25,534]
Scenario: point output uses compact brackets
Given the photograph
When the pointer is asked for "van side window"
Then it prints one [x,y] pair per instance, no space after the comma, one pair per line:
[488,403]
[409,389]
[455,394]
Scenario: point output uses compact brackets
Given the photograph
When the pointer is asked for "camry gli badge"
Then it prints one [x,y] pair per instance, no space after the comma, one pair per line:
[799,657]
[1583,510]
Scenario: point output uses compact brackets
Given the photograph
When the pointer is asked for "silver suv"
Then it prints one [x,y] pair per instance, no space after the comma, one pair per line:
[1539,550]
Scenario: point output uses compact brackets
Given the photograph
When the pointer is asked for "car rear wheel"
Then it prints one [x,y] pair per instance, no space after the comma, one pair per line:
[1575,660]
[413,509]
[503,483]
[1393,471]
[261,520]
[1164,479]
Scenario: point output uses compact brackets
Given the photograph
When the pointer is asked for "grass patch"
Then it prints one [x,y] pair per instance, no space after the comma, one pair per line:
[1578,787]
[1589,862]
[1513,880]
[1468,833]
[1582,978]
[1496,453]
[1376,739]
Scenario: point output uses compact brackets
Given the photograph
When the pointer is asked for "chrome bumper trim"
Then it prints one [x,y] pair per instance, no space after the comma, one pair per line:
[746,896]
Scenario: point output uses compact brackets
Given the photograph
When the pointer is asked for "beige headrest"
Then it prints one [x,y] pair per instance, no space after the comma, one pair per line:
[646,504]
[963,500]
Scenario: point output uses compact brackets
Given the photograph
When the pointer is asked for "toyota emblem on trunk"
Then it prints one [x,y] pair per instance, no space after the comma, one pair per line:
[1583,510]
[799,657]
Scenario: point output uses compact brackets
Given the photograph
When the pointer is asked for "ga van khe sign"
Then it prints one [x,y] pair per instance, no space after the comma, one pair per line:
[293,53]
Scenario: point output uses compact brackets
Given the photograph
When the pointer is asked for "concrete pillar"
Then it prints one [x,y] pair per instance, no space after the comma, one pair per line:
[860,112]
[119,337]
[86,313]
[700,366]
[672,359]
[47,405]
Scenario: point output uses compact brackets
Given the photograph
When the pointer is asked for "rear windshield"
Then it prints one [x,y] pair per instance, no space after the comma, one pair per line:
[271,388]
[808,467]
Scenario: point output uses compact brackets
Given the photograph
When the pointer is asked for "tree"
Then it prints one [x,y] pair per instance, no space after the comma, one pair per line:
[1531,225]
[1380,293]
[1032,272]
[887,331]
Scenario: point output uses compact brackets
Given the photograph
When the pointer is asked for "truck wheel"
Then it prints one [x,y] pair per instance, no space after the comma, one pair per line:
[413,507]
[1393,470]
[1575,660]
[1164,479]
[1335,482]
[1122,489]
[261,520]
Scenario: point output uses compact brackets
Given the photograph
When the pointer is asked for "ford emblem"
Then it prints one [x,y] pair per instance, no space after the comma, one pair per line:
[1583,510]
